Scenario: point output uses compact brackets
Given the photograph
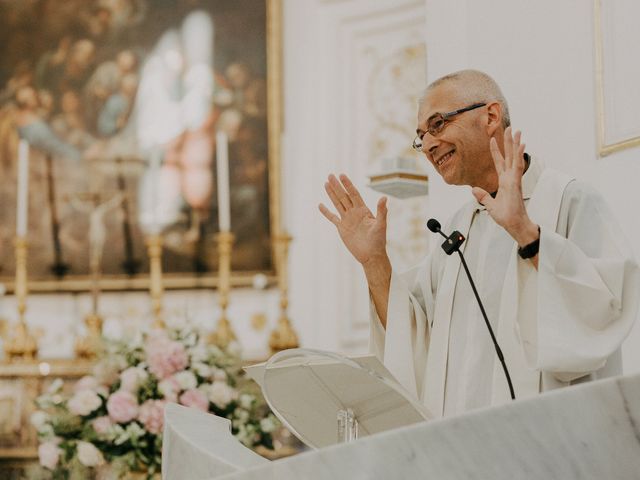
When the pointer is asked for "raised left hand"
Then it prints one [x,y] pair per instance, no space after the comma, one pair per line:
[507,208]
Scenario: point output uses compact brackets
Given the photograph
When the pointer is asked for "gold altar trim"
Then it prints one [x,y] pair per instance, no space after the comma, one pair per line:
[55,367]
[20,453]
[117,283]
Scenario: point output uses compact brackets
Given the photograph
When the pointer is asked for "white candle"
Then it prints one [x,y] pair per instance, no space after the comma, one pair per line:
[23,189]
[222,165]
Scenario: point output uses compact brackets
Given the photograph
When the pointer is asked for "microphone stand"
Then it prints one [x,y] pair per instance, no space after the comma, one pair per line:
[452,244]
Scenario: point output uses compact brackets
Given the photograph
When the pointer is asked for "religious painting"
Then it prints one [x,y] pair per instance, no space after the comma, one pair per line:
[124,104]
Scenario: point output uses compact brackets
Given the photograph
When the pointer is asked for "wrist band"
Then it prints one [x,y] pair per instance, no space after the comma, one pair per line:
[531,250]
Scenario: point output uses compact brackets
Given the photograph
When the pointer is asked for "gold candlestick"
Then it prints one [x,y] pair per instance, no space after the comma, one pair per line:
[223,335]
[89,346]
[283,336]
[21,345]
[154,249]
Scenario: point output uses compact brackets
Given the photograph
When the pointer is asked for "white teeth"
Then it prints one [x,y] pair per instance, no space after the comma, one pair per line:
[444,158]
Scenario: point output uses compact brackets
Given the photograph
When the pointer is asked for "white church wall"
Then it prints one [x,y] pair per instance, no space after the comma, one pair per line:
[542,54]
[353,70]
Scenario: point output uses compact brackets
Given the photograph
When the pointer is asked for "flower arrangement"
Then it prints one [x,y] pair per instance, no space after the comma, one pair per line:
[115,416]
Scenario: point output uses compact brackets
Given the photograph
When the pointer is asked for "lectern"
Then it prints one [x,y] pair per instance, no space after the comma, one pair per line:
[325,398]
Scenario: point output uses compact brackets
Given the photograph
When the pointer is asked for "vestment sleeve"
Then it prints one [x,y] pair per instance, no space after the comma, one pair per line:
[403,346]
[588,286]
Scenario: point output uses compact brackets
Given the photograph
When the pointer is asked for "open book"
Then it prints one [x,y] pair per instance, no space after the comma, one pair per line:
[307,388]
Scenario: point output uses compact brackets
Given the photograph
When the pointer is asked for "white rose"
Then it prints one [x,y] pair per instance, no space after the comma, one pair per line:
[202,369]
[219,374]
[39,419]
[89,455]
[268,424]
[168,388]
[132,378]
[242,415]
[246,401]
[49,454]
[84,402]
[186,380]
[87,382]
[221,394]
[199,353]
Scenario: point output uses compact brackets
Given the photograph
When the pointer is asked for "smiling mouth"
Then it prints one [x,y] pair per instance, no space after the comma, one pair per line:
[445,157]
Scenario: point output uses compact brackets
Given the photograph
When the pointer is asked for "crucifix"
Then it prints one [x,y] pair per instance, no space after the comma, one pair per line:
[91,204]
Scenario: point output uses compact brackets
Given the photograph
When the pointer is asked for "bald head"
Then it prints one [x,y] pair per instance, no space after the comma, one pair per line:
[473,86]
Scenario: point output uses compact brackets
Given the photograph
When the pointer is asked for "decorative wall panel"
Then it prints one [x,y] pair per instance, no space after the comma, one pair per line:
[617,74]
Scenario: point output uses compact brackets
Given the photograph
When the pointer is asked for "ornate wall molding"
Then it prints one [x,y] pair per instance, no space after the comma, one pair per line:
[617,75]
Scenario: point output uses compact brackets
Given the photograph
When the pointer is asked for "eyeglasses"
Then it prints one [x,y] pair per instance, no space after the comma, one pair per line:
[438,121]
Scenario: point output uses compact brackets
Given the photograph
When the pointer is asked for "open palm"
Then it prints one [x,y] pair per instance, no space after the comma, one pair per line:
[507,208]
[364,234]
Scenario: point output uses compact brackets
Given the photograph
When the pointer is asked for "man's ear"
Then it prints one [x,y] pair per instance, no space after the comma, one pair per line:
[494,118]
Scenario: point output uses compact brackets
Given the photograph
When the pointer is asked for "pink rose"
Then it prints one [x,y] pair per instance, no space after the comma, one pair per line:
[49,454]
[102,425]
[152,415]
[122,407]
[165,356]
[195,399]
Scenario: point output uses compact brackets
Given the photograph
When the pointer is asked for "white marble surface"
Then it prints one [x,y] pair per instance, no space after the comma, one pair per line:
[198,445]
[591,431]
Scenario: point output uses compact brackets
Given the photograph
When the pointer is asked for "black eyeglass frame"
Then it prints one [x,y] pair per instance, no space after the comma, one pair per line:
[417,142]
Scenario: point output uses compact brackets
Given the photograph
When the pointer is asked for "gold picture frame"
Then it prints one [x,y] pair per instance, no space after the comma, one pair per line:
[243,275]
[604,148]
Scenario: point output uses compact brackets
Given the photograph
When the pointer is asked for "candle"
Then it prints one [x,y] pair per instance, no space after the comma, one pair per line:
[222,165]
[23,189]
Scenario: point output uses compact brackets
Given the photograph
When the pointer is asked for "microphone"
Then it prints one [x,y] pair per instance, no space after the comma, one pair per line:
[452,244]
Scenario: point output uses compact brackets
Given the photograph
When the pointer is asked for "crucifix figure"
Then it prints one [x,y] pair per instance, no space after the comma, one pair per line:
[90,203]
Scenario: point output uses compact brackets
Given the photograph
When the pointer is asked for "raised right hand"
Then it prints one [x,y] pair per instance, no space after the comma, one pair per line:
[364,234]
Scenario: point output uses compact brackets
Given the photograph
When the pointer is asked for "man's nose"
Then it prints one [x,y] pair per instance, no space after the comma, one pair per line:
[429,144]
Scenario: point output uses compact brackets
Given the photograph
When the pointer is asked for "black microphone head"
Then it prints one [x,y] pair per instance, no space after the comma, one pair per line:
[433,225]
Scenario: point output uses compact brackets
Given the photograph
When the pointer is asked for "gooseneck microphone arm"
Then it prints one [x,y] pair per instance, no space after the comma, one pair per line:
[450,245]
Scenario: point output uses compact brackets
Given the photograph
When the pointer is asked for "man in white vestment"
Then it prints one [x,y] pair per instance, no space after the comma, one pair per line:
[558,281]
